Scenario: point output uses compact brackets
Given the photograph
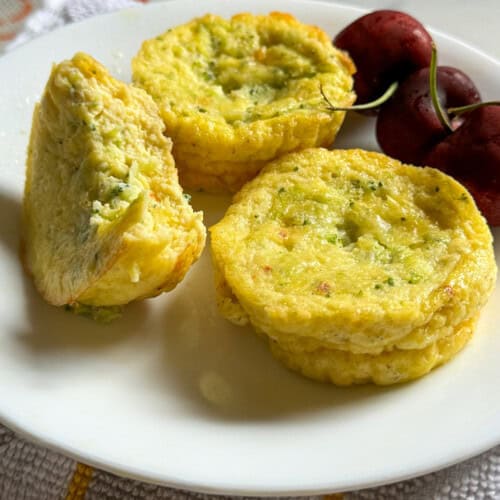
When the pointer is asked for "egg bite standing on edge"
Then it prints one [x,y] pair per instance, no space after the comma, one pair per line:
[105,221]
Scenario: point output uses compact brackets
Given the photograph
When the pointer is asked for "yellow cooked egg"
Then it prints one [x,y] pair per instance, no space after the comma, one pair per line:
[351,251]
[389,367]
[237,93]
[105,219]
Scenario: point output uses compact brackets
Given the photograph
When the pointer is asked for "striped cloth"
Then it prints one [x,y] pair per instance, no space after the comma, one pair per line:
[32,472]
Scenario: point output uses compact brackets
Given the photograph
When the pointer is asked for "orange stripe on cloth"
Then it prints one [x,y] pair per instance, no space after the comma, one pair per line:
[79,482]
[18,16]
[5,37]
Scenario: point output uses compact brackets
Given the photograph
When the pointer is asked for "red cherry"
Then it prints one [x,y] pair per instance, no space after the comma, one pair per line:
[471,154]
[408,126]
[386,46]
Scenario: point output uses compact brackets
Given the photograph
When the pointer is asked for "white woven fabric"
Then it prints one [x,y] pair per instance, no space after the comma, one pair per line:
[31,472]
[52,14]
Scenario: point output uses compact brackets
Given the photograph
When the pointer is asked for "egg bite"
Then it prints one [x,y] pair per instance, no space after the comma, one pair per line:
[355,267]
[235,94]
[105,221]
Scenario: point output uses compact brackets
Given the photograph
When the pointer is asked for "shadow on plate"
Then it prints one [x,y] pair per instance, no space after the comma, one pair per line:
[357,131]
[213,206]
[227,372]
[52,329]
[10,222]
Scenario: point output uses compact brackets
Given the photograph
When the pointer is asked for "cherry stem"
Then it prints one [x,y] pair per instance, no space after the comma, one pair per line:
[471,107]
[362,107]
[440,112]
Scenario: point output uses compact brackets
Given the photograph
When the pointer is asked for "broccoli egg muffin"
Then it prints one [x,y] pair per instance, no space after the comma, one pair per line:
[235,94]
[356,267]
[105,219]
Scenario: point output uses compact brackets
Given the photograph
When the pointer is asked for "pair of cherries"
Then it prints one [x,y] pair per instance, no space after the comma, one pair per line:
[430,115]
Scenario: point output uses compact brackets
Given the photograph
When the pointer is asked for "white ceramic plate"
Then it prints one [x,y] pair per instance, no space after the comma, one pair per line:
[173,394]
